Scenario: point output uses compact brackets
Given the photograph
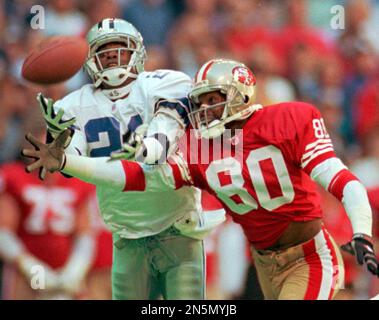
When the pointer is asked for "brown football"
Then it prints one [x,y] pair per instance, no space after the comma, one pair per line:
[55,59]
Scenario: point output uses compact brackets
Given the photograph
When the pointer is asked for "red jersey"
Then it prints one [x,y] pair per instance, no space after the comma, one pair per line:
[104,242]
[261,175]
[47,211]
[266,185]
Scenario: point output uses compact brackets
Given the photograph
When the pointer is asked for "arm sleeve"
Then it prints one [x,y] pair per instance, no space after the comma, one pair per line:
[127,175]
[316,156]
[334,177]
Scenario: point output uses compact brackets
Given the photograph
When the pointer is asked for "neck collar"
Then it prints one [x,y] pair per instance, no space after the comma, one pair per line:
[118,93]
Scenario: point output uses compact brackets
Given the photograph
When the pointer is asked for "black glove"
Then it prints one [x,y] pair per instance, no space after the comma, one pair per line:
[48,157]
[362,247]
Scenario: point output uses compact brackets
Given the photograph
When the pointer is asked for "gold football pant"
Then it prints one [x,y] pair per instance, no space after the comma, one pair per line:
[309,271]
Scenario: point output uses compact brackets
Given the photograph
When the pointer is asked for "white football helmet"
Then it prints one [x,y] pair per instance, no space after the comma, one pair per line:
[231,78]
[114,30]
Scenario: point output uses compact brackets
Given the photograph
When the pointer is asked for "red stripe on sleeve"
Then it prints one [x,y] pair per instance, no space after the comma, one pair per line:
[339,182]
[135,177]
[322,157]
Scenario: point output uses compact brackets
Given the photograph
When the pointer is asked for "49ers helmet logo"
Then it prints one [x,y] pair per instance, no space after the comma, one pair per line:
[244,75]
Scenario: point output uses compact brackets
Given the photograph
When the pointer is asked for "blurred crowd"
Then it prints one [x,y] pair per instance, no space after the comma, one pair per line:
[292,47]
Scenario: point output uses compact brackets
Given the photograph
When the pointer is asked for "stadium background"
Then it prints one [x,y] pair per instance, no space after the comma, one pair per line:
[292,48]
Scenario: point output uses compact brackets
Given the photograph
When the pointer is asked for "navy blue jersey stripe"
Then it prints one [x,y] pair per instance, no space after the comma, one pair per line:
[182,106]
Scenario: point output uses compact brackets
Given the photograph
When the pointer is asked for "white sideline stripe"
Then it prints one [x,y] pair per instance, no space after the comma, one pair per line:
[321,146]
[311,145]
[327,267]
[304,164]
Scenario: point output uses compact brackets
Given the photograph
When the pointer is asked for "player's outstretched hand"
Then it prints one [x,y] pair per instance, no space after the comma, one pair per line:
[48,157]
[132,141]
[362,247]
[127,152]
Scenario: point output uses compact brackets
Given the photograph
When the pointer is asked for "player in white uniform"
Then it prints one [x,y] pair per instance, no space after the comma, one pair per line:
[157,242]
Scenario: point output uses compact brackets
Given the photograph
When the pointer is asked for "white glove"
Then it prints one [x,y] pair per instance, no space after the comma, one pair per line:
[132,143]
[71,282]
[72,275]
[55,124]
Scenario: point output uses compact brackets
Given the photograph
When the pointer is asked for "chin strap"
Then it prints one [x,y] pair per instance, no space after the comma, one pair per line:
[117,93]
[217,127]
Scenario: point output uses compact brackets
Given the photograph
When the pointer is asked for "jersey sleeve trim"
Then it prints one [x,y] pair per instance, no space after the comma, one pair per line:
[315,153]
[314,149]
[181,106]
[339,181]
[321,156]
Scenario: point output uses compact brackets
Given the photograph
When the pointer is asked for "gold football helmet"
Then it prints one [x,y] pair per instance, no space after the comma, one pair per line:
[231,78]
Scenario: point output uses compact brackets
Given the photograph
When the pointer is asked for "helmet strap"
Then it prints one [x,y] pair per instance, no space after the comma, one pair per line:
[217,127]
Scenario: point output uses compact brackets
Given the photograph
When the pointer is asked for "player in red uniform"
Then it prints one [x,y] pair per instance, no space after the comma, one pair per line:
[47,225]
[261,169]
[98,280]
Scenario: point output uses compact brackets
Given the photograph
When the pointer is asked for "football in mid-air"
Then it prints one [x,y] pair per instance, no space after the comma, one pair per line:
[55,59]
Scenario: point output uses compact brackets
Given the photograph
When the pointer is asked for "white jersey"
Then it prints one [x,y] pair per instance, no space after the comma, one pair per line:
[100,125]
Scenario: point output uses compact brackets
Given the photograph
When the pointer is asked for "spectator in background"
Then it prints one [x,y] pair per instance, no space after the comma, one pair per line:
[303,72]
[356,31]
[152,17]
[363,68]
[193,40]
[241,30]
[64,18]
[367,167]
[268,68]
[366,107]
[13,102]
[329,100]
[157,58]
[298,33]
[98,10]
